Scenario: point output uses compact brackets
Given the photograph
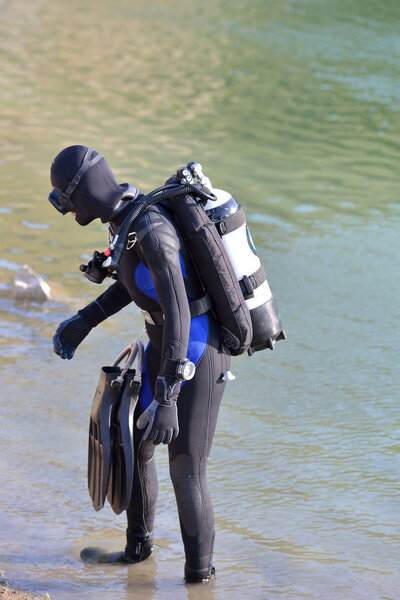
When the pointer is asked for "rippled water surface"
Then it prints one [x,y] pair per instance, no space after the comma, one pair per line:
[293,105]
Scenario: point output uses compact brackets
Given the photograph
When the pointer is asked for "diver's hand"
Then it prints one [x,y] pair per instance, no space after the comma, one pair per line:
[161,417]
[69,335]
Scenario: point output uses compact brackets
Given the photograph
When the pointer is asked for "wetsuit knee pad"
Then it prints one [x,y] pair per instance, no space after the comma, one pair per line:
[181,467]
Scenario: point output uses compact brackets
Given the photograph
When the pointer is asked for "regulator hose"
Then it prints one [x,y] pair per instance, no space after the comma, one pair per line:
[169,190]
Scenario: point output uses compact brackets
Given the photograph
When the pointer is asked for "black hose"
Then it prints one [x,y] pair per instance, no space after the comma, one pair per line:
[166,191]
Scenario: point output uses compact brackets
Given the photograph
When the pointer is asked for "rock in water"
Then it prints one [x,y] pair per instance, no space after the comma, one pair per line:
[27,285]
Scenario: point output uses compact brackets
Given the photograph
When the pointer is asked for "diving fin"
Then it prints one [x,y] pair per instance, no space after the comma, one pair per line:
[122,465]
[99,459]
[105,402]
[121,477]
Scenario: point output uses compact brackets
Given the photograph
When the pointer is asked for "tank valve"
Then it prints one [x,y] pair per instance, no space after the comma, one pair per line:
[197,171]
[184,175]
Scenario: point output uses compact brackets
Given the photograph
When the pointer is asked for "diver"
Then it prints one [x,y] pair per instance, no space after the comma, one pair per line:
[185,363]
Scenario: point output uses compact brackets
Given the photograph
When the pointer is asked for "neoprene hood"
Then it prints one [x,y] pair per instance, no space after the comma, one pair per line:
[96,195]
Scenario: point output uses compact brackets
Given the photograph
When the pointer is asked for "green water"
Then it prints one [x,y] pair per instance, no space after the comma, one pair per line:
[294,106]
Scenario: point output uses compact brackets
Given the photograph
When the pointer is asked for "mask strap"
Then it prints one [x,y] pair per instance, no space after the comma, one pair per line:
[86,164]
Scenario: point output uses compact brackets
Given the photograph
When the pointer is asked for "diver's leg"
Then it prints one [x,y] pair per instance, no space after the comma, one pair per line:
[198,406]
[141,511]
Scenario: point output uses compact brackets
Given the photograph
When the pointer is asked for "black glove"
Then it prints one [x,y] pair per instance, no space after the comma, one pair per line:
[69,335]
[161,417]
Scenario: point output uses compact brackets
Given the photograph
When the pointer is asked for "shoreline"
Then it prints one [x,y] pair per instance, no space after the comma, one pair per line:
[7,593]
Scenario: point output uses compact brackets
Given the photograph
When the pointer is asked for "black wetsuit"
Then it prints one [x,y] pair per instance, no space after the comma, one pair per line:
[158,275]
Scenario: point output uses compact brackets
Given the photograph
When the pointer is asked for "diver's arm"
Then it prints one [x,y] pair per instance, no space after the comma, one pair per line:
[114,299]
[161,250]
[72,332]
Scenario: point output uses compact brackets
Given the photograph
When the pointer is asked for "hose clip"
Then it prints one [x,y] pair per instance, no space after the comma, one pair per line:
[132,239]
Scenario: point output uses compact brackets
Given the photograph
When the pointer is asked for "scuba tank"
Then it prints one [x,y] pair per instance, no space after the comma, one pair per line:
[230,220]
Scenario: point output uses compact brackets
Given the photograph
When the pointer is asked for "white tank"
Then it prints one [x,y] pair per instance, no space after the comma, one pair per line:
[229,218]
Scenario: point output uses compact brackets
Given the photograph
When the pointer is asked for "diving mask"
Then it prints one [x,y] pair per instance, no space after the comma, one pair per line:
[61,200]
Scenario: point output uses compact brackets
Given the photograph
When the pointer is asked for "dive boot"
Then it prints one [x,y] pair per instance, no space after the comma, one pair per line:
[201,572]
[195,576]
[138,547]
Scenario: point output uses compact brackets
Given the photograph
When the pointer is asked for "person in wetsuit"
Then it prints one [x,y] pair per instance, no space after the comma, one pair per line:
[158,275]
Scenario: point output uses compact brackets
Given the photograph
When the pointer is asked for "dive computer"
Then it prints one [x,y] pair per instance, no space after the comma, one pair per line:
[185,369]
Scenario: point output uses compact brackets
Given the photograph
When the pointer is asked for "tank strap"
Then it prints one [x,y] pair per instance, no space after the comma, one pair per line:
[231,223]
[197,308]
[200,306]
[250,282]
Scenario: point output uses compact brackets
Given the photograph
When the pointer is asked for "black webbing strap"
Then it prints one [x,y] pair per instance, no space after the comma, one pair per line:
[249,283]
[231,223]
[200,306]
[86,164]
[197,308]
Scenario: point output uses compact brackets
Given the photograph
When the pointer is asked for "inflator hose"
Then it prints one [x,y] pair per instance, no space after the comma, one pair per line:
[167,191]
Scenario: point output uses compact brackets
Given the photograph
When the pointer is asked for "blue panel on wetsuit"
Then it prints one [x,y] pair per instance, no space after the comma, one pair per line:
[144,281]
[198,337]
[183,268]
[197,344]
